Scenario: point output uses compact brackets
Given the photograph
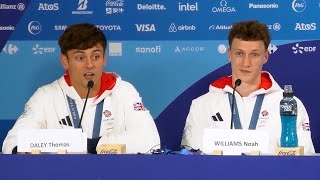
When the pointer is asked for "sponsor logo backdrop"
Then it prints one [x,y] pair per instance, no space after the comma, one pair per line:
[169,50]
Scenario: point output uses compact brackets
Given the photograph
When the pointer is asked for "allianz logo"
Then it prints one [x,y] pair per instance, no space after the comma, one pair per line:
[263,6]
[145,27]
[299,5]
[223,8]
[188,7]
[19,6]
[275,26]
[48,7]
[114,3]
[151,7]
[189,49]
[7,28]
[154,49]
[220,27]
[305,27]
[174,28]
[37,49]
[300,49]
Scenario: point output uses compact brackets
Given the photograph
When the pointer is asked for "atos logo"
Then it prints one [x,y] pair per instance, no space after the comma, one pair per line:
[10,49]
[188,7]
[48,7]
[305,27]
[223,8]
[299,5]
[145,27]
[34,27]
[40,50]
[299,49]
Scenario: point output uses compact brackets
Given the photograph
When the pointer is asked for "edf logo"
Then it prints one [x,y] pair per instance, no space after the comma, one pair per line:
[34,27]
[299,5]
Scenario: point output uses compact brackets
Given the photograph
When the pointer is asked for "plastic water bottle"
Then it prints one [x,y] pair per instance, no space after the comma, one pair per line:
[288,112]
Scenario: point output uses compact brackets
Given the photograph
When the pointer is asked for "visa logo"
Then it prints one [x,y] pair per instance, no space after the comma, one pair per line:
[145,27]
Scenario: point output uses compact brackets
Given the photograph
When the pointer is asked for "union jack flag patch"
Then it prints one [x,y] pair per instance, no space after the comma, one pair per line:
[306,126]
[138,106]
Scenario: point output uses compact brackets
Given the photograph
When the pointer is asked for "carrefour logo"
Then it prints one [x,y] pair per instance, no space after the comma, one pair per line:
[34,27]
[10,49]
[300,49]
[299,5]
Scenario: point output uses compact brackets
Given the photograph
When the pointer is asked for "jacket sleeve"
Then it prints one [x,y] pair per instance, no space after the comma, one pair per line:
[140,134]
[192,133]
[303,128]
[33,117]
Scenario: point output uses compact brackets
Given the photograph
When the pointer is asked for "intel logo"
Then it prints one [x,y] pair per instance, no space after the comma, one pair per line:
[34,27]
[299,5]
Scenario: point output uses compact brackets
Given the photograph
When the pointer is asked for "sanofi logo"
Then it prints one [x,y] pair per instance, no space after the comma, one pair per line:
[34,27]
[299,5]
[48,7]
[145,27]
[154,49]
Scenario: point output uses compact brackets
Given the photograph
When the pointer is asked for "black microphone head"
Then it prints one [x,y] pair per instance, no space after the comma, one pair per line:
[90,84]
[237,83]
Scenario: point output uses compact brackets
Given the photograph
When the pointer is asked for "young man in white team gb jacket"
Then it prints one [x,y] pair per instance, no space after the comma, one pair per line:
[248,52]
[112,103]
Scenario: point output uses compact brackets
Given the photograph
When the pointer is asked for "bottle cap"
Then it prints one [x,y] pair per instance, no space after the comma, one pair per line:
[287,92]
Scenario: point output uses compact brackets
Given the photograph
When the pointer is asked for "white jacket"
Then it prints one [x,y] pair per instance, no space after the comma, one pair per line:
[216,101]
[124,119]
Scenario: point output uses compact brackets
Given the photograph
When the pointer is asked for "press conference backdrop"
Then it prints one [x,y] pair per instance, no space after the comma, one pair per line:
[169,50]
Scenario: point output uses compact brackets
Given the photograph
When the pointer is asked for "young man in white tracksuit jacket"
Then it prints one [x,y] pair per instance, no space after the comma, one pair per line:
[113,104]
[247,53]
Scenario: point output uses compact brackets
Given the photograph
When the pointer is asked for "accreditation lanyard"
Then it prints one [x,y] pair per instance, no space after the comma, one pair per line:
[254,116]
[97,118]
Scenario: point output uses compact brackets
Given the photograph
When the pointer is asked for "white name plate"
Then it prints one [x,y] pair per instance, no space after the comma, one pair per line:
[234,142]
[52,140]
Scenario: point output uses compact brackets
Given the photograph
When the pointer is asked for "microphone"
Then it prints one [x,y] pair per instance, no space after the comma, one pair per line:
[89,85]
[236,84]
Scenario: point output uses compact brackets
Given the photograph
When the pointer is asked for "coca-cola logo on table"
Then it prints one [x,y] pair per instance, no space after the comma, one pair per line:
[109,151]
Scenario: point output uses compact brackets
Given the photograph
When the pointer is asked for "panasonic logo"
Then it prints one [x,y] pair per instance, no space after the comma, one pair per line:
[263,6]
[151,7]
[7,28]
